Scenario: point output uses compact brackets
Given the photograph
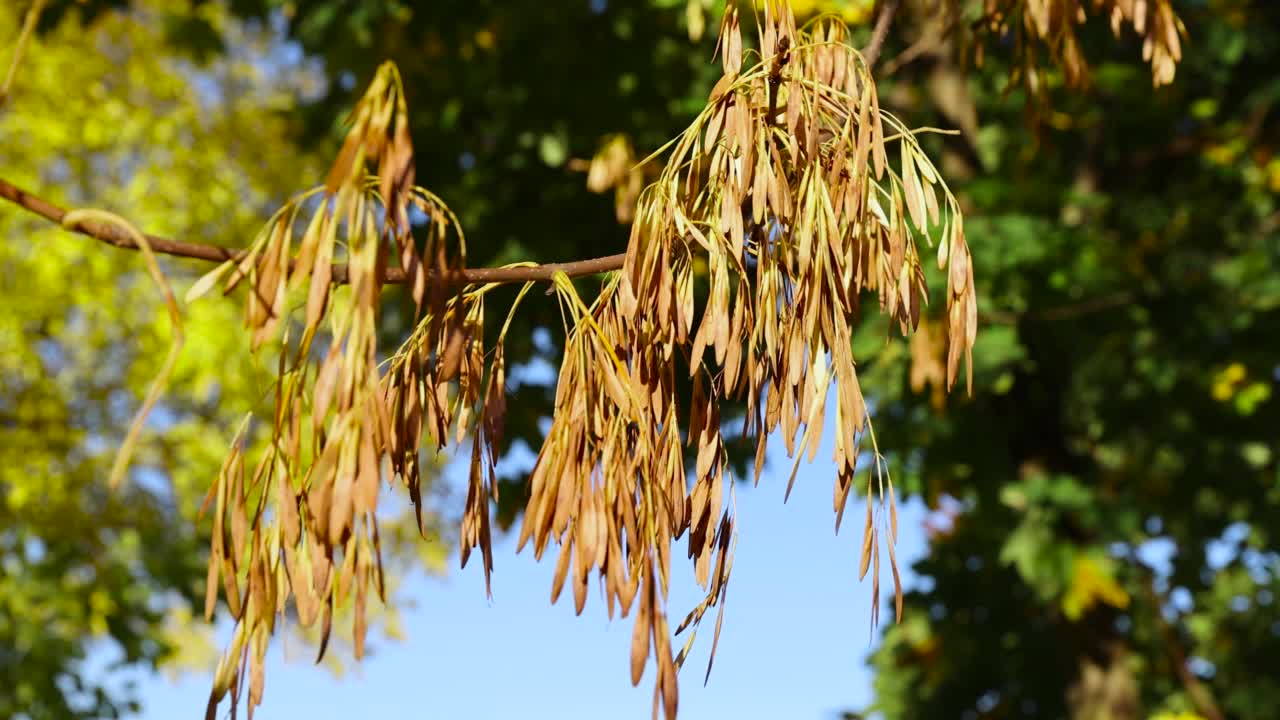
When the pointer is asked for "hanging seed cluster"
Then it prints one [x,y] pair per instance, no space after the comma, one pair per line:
[792,188]
[302,526]
[614,167]
[783,186]
[1052,24]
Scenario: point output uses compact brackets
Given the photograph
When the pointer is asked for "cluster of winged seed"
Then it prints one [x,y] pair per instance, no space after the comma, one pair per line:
[1052,23]
[784,188]
[302,526]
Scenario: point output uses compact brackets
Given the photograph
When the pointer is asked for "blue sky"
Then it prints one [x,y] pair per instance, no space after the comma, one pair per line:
[795,638]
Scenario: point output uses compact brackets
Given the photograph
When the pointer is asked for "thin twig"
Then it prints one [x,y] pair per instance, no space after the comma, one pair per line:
[928,41]
[121,463]
[880,32]
[28,26]
[114,235]
[1087,306]
[1196,690]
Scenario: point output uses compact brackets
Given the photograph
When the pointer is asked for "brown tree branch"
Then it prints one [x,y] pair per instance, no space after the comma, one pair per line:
[113,235]
[880,31]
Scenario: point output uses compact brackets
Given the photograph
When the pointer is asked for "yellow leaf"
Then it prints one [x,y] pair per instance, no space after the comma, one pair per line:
[1092,582]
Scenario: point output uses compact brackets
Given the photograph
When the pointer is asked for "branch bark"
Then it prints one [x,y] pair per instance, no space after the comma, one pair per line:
[880,31]
[114,236]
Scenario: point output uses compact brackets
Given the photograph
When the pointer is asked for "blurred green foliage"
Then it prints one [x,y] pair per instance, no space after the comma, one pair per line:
[112,110]
[1107,500]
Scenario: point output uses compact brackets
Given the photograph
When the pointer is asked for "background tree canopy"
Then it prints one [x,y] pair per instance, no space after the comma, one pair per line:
[1103,540]
[191,149]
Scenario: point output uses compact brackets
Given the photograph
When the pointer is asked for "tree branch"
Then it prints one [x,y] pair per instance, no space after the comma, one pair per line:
[1088,306]
[113,235]
[881,30]
[1196,690]
[927,42]
[28,25]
